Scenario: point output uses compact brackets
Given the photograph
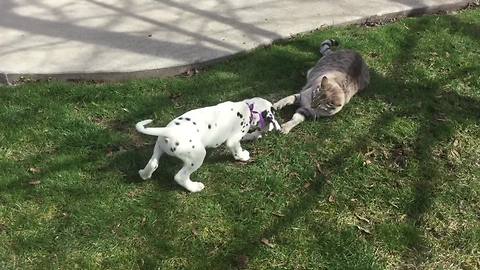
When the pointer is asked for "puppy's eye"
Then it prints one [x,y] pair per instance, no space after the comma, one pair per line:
[265,114]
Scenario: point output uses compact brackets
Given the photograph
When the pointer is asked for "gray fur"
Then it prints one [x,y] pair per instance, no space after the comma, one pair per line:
[346,73]
[331,83]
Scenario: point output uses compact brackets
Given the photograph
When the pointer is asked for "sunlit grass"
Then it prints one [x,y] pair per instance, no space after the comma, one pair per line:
[390,182]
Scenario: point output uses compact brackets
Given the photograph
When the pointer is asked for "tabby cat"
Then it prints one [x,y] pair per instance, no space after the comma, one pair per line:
[331,83]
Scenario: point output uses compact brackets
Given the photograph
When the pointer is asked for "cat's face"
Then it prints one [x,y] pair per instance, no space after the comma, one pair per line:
[327,98]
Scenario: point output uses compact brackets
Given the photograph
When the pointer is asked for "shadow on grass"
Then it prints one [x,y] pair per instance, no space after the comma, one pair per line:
[437,112]
[265,75]
[333,250]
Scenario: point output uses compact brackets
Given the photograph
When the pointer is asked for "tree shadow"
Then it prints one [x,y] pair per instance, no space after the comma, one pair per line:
[301,207]
[436,109]
[77,204]
[438,106]
[75,30]
[242,79]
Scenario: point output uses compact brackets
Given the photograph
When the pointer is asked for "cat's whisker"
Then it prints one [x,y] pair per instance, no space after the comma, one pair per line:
[331,83]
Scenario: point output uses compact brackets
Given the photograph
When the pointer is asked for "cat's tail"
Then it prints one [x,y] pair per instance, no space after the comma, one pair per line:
[326,46]
[140,126]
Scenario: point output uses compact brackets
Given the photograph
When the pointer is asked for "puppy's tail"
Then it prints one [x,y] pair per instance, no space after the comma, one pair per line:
[140,126]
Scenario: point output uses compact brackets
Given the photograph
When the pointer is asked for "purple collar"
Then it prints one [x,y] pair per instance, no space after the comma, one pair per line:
[261,121]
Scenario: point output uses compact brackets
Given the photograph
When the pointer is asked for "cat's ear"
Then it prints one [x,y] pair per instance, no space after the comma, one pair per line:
[324,83]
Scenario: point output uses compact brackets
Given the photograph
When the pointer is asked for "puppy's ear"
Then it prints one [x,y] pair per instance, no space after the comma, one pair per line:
[270,118]
[266,115]
[274,125]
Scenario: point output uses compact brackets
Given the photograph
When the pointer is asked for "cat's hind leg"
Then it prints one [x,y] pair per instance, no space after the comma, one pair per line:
[286,101]
[296,119]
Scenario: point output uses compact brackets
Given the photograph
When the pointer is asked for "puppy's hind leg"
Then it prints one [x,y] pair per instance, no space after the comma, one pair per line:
[190,165]
[152,164]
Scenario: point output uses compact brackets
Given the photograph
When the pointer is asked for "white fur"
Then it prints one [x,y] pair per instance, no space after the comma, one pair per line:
[285,101]
[187,136]
[296,119]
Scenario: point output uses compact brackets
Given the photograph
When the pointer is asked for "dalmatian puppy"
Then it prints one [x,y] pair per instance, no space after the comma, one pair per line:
[188,136]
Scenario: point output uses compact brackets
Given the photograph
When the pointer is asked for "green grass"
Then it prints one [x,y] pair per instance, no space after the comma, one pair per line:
[391,182]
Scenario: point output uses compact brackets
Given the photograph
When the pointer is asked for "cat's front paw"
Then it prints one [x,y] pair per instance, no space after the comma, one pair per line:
[284,102]
[285,129]
[279,105]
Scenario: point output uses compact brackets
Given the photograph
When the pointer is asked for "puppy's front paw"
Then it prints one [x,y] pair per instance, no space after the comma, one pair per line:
[144,175]
[243,156]
[195,186]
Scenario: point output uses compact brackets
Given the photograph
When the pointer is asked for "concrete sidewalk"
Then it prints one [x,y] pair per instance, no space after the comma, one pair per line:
[120,39]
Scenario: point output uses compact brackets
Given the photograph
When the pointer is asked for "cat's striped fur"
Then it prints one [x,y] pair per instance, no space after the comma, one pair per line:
[331,83]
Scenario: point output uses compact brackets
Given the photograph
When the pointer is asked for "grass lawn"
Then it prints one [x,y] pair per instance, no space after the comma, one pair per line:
[390,182]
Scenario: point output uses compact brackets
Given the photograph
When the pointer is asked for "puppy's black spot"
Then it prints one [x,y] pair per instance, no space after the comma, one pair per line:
[241,123]
[194,123]
[190,141]
[231,109]
[193,164]
[264,114]
[193,146]
[188,119]
[209,126]
[180,118]
[176,123]
[198,130]
[268,116]
[177,143]
[239,115]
